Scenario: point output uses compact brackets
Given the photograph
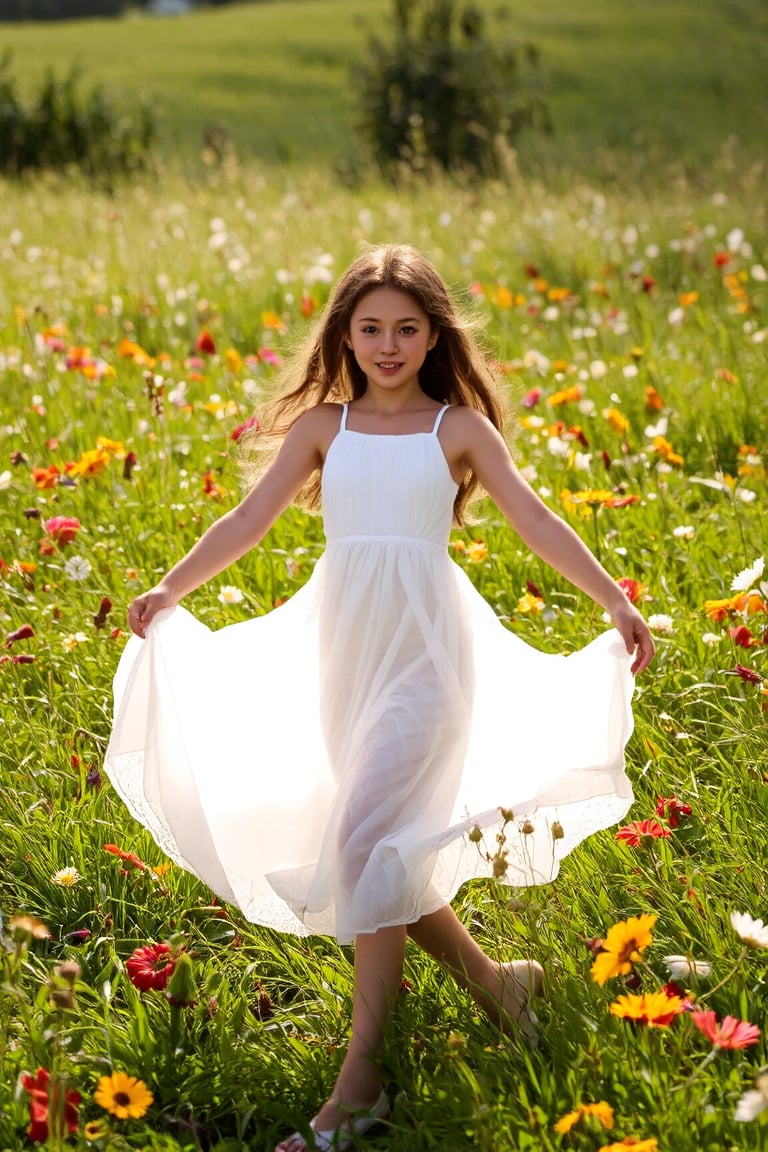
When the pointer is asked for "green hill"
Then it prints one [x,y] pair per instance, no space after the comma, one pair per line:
[665,80]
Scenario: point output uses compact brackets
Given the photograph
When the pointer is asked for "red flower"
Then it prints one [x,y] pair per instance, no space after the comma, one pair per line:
[105,607]
[45,1108]
[747,674]
[205,343]
[730,1033]
[631,588]
[62,529]
[742,636]
[150,966]
[22,658]
[673,809]
[720,259]
[636,832]
[26,632]
[129,857]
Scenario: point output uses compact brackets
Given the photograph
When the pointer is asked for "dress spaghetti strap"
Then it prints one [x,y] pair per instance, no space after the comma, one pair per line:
[439,417]
[343,425]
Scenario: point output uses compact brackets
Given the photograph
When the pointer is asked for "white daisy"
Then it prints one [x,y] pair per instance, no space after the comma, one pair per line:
[753,1102]
[77,568]
[230,595]
[686,968]
[684,532]
[66,877]
[752,932]
[746,578]
[661,623]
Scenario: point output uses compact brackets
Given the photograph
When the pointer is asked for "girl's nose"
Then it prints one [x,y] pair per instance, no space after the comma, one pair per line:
[389,342]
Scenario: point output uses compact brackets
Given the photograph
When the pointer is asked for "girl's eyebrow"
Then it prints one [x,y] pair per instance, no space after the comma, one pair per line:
[376,320]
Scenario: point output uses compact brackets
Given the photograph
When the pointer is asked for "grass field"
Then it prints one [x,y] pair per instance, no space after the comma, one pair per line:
[627,319]
[663,82]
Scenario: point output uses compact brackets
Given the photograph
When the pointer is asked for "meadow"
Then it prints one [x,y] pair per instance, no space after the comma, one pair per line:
[138,332]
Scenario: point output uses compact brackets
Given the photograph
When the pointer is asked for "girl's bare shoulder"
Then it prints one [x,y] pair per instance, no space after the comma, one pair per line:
[321,423]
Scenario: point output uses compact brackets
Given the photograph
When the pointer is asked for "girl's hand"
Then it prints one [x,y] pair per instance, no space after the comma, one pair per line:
[142,610]
[635,633]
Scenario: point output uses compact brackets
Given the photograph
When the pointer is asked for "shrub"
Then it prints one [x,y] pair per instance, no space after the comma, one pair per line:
[61,126]
[447,90]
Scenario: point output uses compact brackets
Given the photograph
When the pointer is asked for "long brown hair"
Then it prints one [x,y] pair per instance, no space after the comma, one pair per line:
[324,369]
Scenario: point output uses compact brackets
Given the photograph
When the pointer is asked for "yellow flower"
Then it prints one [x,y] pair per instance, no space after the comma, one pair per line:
[95,1130]
[632,1144]
[477,551]
[616,420]
[601,1111]
[655,1009]
[91,463]
[272,320]
[66,877]
[116,447]
[124,1096]
[622,947]
[530,603]
[566,396]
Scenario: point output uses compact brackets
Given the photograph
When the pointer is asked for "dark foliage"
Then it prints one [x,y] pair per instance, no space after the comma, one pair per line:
[62,127]
[446,89]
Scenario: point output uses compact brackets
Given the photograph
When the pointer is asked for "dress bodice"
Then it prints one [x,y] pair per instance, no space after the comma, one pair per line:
[396,486]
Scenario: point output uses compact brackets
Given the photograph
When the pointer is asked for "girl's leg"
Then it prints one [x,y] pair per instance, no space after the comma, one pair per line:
[379,958]
[501,990]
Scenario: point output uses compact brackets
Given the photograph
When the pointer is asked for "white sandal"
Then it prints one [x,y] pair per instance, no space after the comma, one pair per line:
[341,1138]
[527,979]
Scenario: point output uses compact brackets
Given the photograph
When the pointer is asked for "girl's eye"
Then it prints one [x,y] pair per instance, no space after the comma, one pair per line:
[408,330]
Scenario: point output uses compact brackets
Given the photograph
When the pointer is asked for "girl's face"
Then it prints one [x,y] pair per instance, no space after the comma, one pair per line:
[390,336]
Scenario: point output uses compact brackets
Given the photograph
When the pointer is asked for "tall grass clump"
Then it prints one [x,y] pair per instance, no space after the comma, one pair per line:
[63,127]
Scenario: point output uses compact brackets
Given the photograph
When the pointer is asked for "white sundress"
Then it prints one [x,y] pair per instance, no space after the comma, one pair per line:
[322,766]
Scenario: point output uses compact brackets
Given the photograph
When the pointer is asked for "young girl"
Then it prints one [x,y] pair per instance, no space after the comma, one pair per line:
[344,763]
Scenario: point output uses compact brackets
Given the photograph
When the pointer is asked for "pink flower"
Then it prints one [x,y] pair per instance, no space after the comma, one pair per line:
[62,529]
[730,1033]
[531,399]
[635,833]
[251,422]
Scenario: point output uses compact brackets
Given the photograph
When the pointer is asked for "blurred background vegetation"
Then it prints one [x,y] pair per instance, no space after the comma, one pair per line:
[633,91]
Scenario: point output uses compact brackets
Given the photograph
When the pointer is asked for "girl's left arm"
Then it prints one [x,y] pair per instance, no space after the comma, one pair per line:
[546,534]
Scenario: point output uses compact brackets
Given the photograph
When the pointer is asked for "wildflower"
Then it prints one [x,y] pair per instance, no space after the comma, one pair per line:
[640,831]
[747,674]
[673,809]
[632,589]
[566,396]
[744,580]
[741,636]
[128,857]
[25,928]
[753,1102]
[653,401]
[45,1108]
[62,529]
[616,421]
[66,877]
[95,1130]
[69,643]
[531,398]
[150,966]
[730,1033]
[47,477]
[477,551]
[205,343]
[529,603]
[91,463]
[230,595]
[653,1009]
[77,568]
[753,932]
[686,968]
[25,632]
[601,1111]
[100,618]
[623,946]
[180,992]
[251,423]
[661,623]
[632,1144]
[123,1096]
[684,532]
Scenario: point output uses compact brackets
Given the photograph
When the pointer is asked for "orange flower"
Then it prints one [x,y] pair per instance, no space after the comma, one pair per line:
[130,350]
[566,396]
[91,463]
[653,401]
[616,420]
[272,320]
[685,299]
[45,477]
[653,1009]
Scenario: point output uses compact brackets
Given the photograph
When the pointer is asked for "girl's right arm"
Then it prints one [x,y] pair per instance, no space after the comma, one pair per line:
[242,528]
